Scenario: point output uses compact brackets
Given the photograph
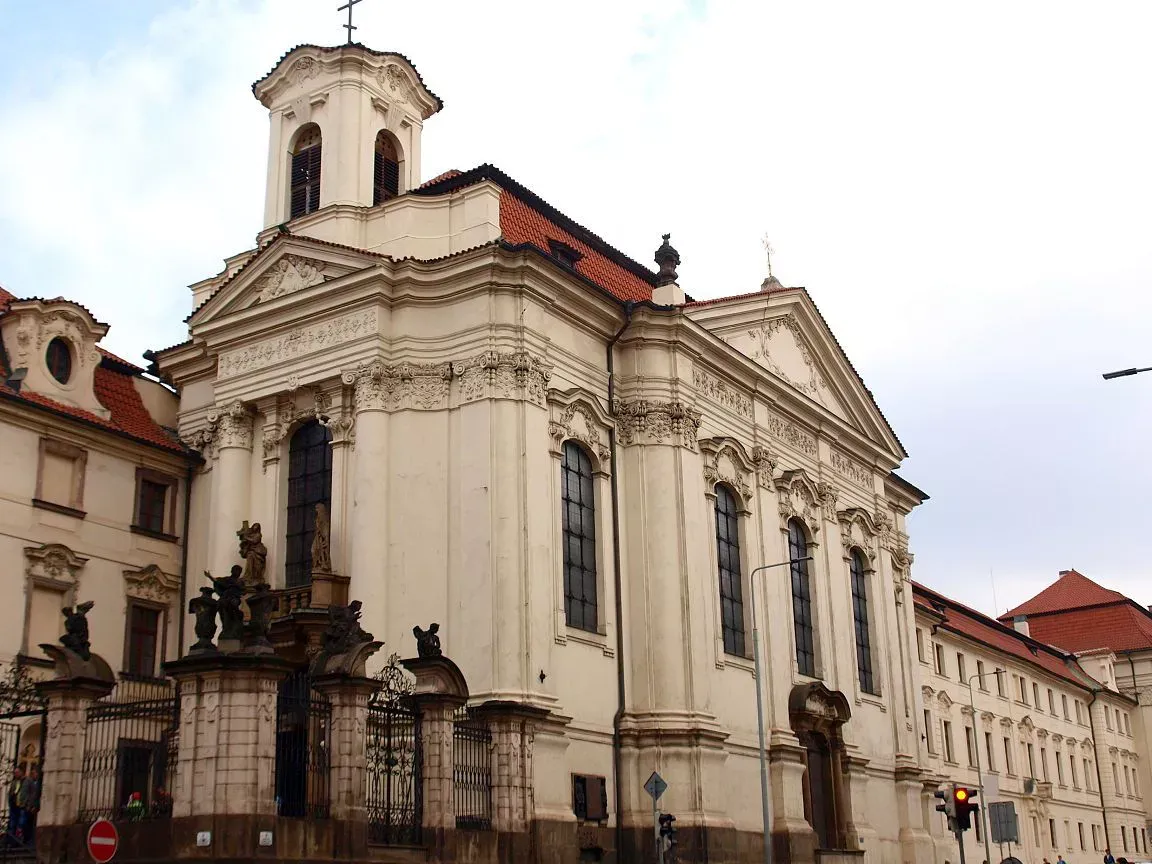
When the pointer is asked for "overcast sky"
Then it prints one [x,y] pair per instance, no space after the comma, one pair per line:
[965,190]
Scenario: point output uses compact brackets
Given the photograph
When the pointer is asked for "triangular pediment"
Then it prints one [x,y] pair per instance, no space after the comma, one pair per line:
[286,267]
[785,335]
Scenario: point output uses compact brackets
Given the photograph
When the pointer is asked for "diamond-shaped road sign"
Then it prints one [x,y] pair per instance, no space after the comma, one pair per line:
[655,786]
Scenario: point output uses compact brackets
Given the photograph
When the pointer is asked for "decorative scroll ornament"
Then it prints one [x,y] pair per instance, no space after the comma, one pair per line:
[151,583]
[392,683]
[303,69]
[723,463]
[503,375]
[828,495]
[289,275]
[716,390]
[799,499]
[231,426]
[765,461]
[54,562]
[578,423]
[858,531]
[202,440]
[643,421]
[765,335]
[396,81]
[380,387]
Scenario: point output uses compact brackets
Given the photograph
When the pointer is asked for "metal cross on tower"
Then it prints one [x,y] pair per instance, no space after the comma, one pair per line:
[768,250]
[349,26]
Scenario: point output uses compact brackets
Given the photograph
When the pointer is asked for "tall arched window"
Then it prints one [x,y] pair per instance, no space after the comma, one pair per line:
[801,599]
[860,617]
[309,484]
[305,182]
[578,503]
[386,169]
[728,558]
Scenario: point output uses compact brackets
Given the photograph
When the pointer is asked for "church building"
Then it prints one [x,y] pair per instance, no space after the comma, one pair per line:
[579,472]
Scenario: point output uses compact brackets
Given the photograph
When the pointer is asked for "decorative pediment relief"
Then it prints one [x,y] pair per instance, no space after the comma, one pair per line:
[801,498]
[726,462]
[967,711]
[814,705]
[1026,724]
[55,563]
[575,417]
[944,700]
[290,274]
[151,583]
[987,717]
[858,530]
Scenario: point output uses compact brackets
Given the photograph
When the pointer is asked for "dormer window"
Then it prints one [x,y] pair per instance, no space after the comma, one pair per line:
[386,169]
[59,359]
[306,172]
[564,253]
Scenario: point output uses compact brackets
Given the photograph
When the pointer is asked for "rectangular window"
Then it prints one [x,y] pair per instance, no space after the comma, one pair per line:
[1036,696]
[1080,831]
[1087,776]
[1127,725]
[143,637]
[155,510]
[970,744]
[578,506]
[1135,782]
[1031,761]
[1051,701]
[60,477]
[731,580]
[1036,829]
[929,733]
[1108,717]
[1059,768]
[1115,778]
[999,681]
[1068,832]
[1044,763]
[589,798]
[988,751]
[1022,686]
[1064,705]
[920,645]
[1052,832]
[802,620]
[1095,836]
[1127,780]
[941,669]
[1072,768]
[859,576]
[1124,837]
[980,675]
[1008,755]
[948,754]
[1144,839]
[961,669]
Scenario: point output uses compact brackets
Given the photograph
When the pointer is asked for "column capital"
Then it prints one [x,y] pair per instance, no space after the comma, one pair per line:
[231,426]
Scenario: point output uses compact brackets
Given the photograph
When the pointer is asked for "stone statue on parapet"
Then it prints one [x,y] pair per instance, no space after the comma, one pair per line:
[229,593]
[344,631]
[322,541]
[75,636]
[427,642]
[204,608]
[254,553]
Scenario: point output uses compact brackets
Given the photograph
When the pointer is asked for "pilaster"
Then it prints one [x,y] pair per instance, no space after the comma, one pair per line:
[231,428]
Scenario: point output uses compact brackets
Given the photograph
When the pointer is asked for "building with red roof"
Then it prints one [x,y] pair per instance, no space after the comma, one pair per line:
[93,485]
[502,423]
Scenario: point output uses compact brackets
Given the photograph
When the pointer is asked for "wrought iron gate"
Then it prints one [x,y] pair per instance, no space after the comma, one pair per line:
[303,739]
[393,760]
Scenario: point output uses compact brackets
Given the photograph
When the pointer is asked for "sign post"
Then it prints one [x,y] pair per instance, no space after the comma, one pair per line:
[655,787]
[102,841]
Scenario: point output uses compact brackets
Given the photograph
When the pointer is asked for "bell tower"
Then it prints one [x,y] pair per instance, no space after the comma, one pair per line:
[345,128]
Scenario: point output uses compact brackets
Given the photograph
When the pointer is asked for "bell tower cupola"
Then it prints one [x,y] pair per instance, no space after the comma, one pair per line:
[345,129]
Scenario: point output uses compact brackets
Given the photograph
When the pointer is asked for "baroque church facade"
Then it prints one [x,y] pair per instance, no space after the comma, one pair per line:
[552,451]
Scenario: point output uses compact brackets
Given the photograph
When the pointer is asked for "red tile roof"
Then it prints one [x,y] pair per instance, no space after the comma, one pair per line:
[1072,590]
[965,621]
[1081,615]
[114,390]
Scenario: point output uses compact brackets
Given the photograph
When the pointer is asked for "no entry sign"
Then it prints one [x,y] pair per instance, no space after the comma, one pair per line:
[102,841]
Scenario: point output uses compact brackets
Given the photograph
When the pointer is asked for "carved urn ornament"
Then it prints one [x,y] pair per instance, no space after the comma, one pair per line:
[204,608]
[667,259]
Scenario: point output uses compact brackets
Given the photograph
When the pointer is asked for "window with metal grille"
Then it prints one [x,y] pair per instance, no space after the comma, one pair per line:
[309,484]
[153,501]
[801,599]
[731,587]
[860,617]
[578,509]
[305,181]
[386,169]
[589,797]
[143,634]
[59,358]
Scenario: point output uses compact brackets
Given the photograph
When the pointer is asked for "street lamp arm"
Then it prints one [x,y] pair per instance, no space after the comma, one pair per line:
[1123,373]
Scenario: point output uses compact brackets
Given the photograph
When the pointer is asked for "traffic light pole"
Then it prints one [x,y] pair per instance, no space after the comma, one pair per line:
[765,807]
[960,843]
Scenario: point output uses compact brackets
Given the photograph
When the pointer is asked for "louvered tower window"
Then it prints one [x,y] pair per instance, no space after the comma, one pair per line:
[728,559]
[578,501]
[309,484]
[386,169]
[306,173]
[860,618]
[801,600]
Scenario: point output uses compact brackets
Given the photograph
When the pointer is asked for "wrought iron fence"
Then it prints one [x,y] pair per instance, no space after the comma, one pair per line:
[472,772]
[130,751]
[23,725]
[303,742]
[393,779]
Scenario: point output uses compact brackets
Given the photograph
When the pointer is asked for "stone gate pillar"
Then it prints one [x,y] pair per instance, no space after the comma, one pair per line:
[440,691]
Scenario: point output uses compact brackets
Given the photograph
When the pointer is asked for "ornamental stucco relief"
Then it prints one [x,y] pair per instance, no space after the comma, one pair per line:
[53,562]
[792,435]
[502,375]
[642,421]
[716,390]
[723,463]
[288,275]
[381,387]
[851,469]
[231,426]
[807,379]
[151,583]
[298,343]
[577,422]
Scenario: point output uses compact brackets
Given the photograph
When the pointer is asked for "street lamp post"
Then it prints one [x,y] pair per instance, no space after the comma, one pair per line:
[764,805]
[976,748]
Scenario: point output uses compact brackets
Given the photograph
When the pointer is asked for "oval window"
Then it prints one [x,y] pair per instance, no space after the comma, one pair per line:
[60,360]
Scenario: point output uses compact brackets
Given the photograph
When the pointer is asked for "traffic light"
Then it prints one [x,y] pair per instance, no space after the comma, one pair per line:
[963,804]
[668,829]
[947,804]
